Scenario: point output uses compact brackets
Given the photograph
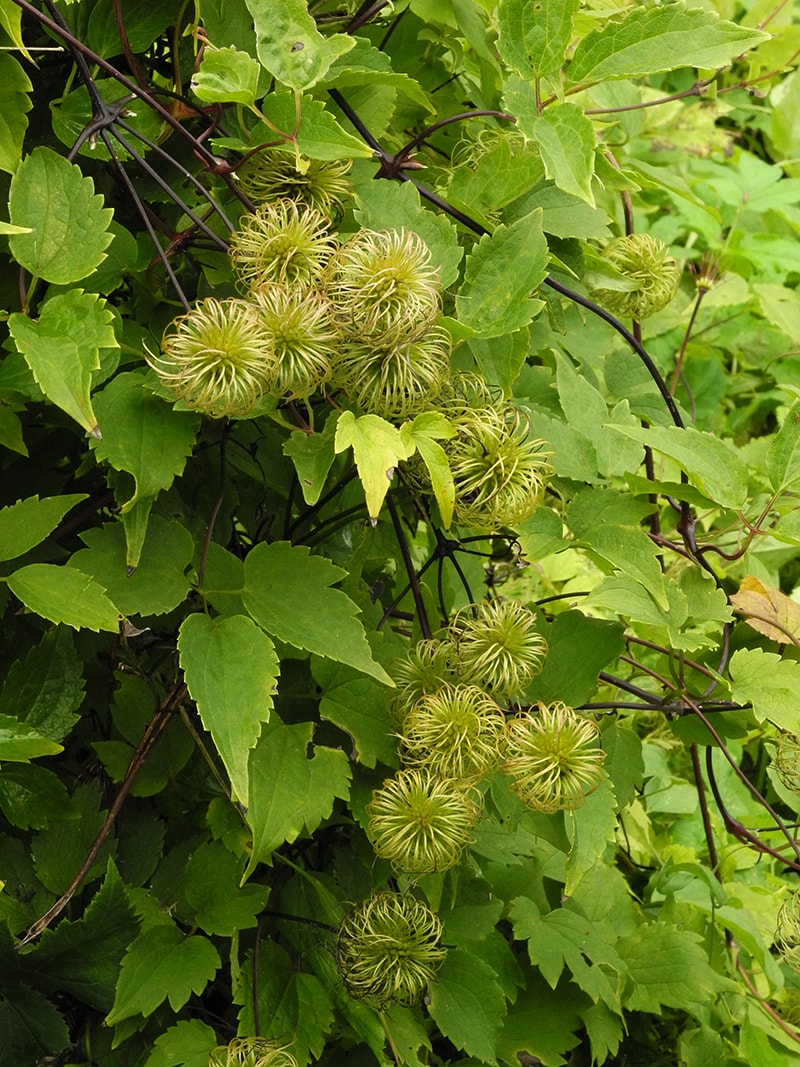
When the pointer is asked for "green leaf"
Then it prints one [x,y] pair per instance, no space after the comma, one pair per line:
[651,40]
[68,224]
[63,594]
[14,105]
[11,431]
[322,620]
[142,435]
[467,1004]
[289,45]
[82,958]
[62,350]
[769,683]
[187,1042]
[11,21]
[534,37]
[231,670]
[711,464]
[32,1028]
[377,447]
[226,76]
[591,827]
[357,705]
[572,678]
[624,764]
[366,65]
[566,140]
[24,524]
[159,582]
[423,435]
[59,851]
[32,797]
[46,688]
[493,301]
[20,742]
[319,135]
[313,456]
[162,963]
[387,205]
[145,20]
[211,888]
[289,792]
[783,456]
[542,1023]
[501,358]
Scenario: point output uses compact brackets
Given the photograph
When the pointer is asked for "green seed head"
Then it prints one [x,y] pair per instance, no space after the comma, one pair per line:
[303,337]
[497,646]
[274,175]
[455,733]
[282,242]
[645,260]
[251,1052]
[426,669]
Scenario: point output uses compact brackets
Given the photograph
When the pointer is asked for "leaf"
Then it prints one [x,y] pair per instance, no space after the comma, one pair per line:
[711,464]
[59,851]
[32,797]
[387,205]
[62,350]
[20,742]
[493,302]
[11,21]
[357,705]
[377,447]
[566,140]
[322,620]
[423,435]
[159,582]
[768,610]
[82,958]
[142,435]
[542,1023]
[290,792]
[162,964]
[187,1042]
[783,455]
[313,456]
[14,106]
[11,431]
[226,76]
[624,764]
[231,670]
[46,688]
[68,224]
[534,36]
[319,135]
[32,1028]
[366,65]
[289,44]
[651,40]
[24,524]
[210,886]
[501,358]
[770,684]
[467,1004]
[591,827]
[572,678]
[63,594]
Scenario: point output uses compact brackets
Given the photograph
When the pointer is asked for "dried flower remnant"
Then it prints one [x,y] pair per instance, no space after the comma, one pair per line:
[456,733]
[275,175]
[498,647]
[282,242]
[645,261]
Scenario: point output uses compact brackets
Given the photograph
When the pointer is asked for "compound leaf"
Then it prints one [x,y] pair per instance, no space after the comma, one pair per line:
[377,447]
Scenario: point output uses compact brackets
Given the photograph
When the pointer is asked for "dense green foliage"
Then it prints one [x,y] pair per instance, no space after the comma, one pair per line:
[400,449]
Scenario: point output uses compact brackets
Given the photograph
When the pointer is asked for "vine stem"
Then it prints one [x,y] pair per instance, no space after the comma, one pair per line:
[416,592]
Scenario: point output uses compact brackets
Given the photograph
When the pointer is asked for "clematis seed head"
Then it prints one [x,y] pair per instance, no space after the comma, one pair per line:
[645,260]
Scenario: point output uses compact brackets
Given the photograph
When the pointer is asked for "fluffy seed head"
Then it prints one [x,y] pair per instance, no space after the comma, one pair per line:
[455,733]
[552,759]
[787,937]
[251,1052]
[421,823]
[499,473]
[426,669]
[217,358]
[498,648]
[389,949]
[384,288]
[396,380]
[303,338]
[644,260]
[274,175]
[282,242]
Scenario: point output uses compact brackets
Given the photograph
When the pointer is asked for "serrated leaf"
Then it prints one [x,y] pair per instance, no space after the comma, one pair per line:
[768,610]
[468,1005]
[591,828]
[492,300]
[289,45]
[357,705]
[226,76]
[711,464]
[210,886]
[624,764]
[231,670]
[770,684]
[783,455]
[62,349]
[161,964]
[566,676]
[378,447]
[32,1028]
[322,620]
[534,37]
[187,1042]
[142,435]
[367,65]
[313,456]
[501,358]
[68,224]
[31,797]
[24,524]
[651,40]
[566,140]
[319,135]
[63,594]
[289,792]
[20,742]
[386,205]
[159,582]
[46,688]
[14,106]
[59,851]
[438,465]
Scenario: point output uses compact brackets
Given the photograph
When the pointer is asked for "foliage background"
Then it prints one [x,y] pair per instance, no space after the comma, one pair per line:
[148,914]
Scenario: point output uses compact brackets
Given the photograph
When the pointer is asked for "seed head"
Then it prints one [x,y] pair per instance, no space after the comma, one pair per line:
[303,337]
[455,733]
[552,759]
[644,260]
[787,937]
[217,358]
[421,823]
[251,1052]
[274,175]
[282,242]
[389,949]
[426,669]
[497,646]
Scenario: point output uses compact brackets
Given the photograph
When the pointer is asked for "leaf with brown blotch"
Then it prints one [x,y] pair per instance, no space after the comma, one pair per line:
[768,610]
